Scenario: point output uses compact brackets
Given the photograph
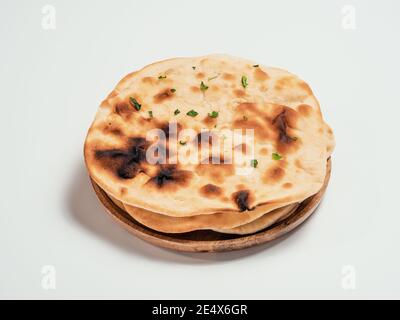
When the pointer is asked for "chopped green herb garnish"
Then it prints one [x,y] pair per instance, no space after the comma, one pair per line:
[134,103]
[177,111]
[194,68]
[213,114]
[182,142]
[192,113]
[151,114]
[162,77]
[173,90]
[212,78]
[203,87]
[245,118]
[256,65]
[245,82]
[254,163]
[294,138]
[276,156]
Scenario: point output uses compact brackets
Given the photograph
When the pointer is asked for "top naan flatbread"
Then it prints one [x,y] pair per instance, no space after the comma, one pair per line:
[219,93]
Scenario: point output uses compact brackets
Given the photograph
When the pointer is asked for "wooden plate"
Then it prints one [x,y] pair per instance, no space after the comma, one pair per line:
[210,241]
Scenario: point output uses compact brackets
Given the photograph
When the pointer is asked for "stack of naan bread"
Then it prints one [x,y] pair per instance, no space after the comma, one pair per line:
[246,184]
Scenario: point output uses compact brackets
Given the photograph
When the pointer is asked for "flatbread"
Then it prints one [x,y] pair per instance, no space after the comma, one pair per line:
[231,222]
[219,220]
[280,107]
[263,222]
[225,222]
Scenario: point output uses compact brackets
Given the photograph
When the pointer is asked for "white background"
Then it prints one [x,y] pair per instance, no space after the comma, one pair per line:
[53,80]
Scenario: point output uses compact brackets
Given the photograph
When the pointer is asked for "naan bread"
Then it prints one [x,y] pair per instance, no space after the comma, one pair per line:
[248,222]
[219,220]
[263,222]
[280,107]
[225,222]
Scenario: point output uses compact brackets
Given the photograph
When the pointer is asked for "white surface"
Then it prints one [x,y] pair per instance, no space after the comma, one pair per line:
[53,80]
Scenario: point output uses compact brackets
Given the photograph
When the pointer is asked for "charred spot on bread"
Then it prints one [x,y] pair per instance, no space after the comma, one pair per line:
[281,125]
[286,143]
[242,200]
[124,110]
[169,177]
[124,163]
[112,154]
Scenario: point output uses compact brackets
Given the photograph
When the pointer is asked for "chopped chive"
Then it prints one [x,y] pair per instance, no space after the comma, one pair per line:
[193,67]
[162,77]
[212,78]
[182,142]
[256,66]
[151,114]
[134,103]
[203,87]
[213,114]
[245,81]
[173,90]
[254,163]
[192,113]
[177,111]
[276,156]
